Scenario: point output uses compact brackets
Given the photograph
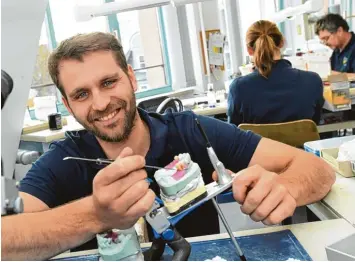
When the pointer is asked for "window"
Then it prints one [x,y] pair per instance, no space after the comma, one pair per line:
[143,44]
[41,75]
[54,30]
[41,82]
[141,61]
[141,33]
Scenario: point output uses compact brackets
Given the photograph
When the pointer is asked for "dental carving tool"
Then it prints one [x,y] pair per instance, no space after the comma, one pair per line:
[102,161]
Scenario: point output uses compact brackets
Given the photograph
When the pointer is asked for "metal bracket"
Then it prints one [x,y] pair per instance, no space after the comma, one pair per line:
[157,218]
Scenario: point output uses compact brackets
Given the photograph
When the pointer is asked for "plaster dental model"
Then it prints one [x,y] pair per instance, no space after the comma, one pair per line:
[115,245]
[181,187]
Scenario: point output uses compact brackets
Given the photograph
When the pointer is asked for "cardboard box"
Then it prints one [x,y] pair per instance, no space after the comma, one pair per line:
[337,93]
[343,250]
[342,167]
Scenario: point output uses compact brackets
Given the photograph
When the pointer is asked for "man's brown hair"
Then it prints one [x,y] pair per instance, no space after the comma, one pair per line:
[79,45]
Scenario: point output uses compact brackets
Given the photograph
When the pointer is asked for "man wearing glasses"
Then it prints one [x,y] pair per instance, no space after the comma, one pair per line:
[333,31]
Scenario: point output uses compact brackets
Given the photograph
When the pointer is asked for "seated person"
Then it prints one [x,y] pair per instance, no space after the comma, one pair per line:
[274,92]
[333,31]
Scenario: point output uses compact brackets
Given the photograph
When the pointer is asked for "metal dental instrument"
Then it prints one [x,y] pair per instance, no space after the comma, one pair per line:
[223,178]
[102,161]
[230,233]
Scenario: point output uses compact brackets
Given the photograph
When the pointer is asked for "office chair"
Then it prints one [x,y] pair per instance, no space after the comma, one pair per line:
[171,103]
[151,105]
[161,104]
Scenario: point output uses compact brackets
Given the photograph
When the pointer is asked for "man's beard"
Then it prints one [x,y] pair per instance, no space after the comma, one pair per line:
[128,120]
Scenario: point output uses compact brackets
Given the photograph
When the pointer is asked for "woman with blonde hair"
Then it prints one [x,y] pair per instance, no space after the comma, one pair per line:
[274,92]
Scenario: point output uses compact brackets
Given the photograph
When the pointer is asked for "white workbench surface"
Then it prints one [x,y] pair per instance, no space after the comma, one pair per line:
[222,109]
[339,203]
[48,136]
[312,236]
[210,111]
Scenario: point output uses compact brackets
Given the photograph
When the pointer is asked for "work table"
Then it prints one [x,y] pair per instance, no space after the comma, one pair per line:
[339,202]
[314,237]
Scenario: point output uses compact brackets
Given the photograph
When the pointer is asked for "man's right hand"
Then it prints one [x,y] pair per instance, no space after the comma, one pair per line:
[121,195]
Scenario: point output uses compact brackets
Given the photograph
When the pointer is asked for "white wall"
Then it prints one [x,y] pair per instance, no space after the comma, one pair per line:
[249,13]
[193,31]
[150,36]
[295,29]
[186,46]
[232,23]
[211,21]
[174,46]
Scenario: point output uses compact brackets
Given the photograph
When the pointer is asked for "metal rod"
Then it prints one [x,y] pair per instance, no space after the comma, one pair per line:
[230,233]
[204,41]
[101,161]
[148,67]
[202,132]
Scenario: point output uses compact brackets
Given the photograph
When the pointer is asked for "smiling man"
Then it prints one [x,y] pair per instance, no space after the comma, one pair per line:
[333,31]
[67,202]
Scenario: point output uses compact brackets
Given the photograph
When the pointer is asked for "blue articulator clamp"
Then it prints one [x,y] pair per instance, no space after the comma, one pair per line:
[163,223]
[166,234]
[226,197]
[169,236]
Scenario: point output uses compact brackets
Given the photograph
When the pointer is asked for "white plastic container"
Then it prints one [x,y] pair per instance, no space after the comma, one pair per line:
[246,69]
[211,95]
[297,62]
[318,63]
[315,147]
[342,250]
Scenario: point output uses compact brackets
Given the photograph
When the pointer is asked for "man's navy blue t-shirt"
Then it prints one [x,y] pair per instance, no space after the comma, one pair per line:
[288,94]
[344,61]
[56,182]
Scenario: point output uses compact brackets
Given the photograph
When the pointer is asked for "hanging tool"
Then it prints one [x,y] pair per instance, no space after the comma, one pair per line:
[163,226]
[223,178]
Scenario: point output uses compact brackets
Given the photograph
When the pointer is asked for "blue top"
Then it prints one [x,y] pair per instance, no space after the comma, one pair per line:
[288,94]
[344,61]
[57,182]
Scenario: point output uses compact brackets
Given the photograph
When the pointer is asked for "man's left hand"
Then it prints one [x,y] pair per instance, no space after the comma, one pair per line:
[262,195]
